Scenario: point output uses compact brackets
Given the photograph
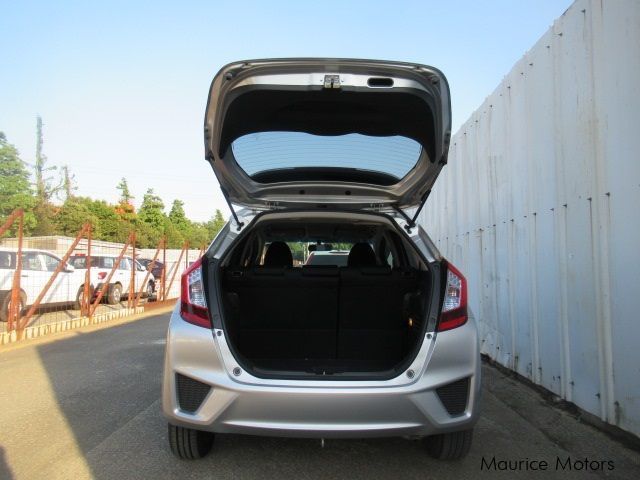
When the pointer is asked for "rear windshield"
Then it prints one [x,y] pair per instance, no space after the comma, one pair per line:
[337,259]
[391,156]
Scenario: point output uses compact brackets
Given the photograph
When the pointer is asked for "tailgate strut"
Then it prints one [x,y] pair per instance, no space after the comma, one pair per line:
[239,224]
[411,222]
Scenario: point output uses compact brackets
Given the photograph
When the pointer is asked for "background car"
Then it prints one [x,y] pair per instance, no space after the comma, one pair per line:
[158,267]
[37,268]
[101,266]
[331,257]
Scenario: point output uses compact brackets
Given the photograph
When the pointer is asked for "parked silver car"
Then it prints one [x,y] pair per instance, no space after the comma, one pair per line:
[334,151]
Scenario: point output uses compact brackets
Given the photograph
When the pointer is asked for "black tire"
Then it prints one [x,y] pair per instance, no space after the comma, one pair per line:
[77,305]
[449,446]
[5,300]
[115,294]
[189,444]
[149,290]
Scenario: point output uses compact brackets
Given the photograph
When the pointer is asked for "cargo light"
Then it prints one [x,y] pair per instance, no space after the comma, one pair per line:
[193,305]
[454,306]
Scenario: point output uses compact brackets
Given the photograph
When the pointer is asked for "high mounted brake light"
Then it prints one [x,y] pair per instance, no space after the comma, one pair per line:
[193,305]
[454,306]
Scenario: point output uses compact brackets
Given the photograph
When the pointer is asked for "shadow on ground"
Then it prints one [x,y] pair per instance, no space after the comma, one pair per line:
[105,385]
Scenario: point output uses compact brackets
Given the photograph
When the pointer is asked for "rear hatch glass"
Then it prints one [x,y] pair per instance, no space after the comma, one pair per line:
[267,155]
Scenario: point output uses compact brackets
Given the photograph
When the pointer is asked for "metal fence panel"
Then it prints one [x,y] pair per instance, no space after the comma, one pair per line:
[539,207]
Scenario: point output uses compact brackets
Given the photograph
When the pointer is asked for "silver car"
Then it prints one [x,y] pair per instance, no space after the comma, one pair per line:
[342,152]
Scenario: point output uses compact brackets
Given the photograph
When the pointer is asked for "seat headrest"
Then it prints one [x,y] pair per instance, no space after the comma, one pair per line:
[361,255]
[278,255]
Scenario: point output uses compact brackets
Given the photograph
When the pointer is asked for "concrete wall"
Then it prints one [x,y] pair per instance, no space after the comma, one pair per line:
[539,206]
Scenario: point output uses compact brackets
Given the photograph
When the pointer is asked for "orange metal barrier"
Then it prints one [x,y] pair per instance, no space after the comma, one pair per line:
[37,289]
[15,305]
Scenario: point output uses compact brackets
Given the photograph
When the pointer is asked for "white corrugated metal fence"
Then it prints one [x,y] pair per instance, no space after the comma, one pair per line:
[539,206]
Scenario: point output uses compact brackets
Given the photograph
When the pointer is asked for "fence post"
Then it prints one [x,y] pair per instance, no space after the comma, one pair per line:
[164,268]
[15,309]
[132,280]
[87,291]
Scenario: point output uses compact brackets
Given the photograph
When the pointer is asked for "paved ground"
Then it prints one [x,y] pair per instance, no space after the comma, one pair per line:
[87,406]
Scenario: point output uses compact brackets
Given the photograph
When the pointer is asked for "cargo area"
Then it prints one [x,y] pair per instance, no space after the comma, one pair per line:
[285,317]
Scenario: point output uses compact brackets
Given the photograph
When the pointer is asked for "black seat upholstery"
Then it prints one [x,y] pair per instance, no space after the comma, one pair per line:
[372,321]
[285,312]
[355,313]
[278,255]
[361,255]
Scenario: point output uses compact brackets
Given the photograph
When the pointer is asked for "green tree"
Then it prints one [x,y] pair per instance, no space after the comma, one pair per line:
[151,211]
[151,221]
[175,238]
[73,214]
[178,218]
[215,224]
[15,187]
[125,194]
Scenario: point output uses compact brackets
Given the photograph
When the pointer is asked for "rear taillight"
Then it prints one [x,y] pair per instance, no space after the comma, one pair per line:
[102,275]
[193,306]
[454,306]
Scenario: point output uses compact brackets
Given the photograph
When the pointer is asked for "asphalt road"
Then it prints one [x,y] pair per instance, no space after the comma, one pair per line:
[86,405]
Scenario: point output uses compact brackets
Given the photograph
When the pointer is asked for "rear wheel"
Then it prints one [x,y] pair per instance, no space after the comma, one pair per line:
[77,305]
[5,303]
[189,444]
[149,290]
[449,446]
[115,294]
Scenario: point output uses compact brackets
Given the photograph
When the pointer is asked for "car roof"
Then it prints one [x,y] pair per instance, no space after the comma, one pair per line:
[35,250]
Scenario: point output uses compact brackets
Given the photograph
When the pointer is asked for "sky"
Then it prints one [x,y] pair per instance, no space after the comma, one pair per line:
[122,86]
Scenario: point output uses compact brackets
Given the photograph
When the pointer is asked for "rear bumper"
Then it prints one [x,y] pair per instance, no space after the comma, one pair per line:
[318,408]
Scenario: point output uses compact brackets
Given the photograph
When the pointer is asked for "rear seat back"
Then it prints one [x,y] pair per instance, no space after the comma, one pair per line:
[372,315]
[286,312]
[320,311]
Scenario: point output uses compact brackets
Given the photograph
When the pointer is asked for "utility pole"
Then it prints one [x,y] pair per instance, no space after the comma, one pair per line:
[67,182]
[40,161]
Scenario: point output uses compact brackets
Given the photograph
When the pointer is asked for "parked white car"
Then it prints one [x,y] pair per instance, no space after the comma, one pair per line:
[37,268]
[101,266]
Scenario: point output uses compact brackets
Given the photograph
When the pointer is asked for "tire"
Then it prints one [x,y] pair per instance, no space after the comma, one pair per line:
[189,444]
[77,305]
[449,446]
[149,290]
[115,294]
[5,300]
